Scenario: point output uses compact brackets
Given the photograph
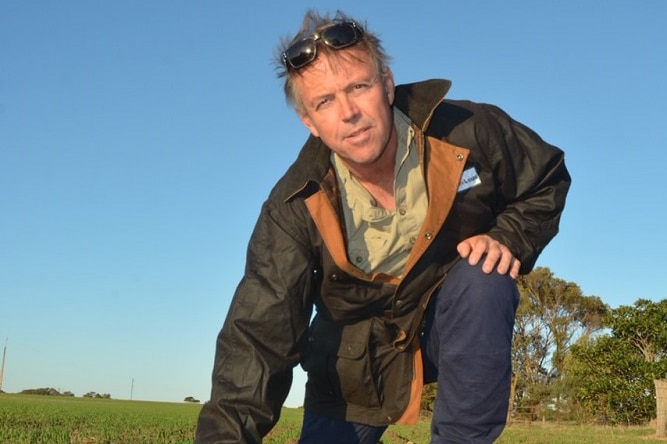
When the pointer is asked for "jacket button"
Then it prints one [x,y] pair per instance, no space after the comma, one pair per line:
[428,235]
[459,157]
[333,277]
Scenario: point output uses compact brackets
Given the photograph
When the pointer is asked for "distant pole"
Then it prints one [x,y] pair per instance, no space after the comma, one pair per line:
[2,369]
[131,389]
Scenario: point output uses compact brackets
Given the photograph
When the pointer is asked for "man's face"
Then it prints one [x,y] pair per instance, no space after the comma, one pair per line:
[347,104]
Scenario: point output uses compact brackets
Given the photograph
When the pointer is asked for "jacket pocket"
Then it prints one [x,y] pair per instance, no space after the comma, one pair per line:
[358,381]
[339,362]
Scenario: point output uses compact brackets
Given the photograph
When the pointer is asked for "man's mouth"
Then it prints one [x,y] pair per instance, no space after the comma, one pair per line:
[359,134]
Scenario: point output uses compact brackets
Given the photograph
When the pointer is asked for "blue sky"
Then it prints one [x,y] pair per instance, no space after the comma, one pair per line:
[139,139]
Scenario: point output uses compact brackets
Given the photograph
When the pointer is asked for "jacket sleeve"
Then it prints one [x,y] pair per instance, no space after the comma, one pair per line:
[533,182]
[262,338]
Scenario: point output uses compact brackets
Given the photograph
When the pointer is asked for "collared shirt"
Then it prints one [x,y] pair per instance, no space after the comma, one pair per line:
[380,240]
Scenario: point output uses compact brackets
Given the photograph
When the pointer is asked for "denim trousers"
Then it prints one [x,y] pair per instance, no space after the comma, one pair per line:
[466,346]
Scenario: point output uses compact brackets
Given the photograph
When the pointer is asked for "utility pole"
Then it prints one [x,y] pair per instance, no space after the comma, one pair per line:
[2,369]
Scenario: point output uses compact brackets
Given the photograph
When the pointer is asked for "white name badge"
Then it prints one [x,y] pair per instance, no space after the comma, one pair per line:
[469,179]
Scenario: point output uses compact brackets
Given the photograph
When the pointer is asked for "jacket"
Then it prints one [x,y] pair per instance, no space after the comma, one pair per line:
[485,173]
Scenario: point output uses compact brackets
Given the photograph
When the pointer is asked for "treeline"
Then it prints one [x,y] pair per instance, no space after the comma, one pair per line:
[577,359]
[53,392]
[47,391]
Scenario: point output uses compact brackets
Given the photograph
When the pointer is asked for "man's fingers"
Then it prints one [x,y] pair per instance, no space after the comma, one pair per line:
[514,271]
[464,248]
[496,255]
[495,259]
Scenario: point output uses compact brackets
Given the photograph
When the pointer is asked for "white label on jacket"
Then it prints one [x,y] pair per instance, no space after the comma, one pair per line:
[469,179]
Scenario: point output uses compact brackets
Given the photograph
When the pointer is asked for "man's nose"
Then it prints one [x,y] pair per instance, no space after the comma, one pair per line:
[348,108]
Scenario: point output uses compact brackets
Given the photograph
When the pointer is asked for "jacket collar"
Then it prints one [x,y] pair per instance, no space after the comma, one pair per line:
[417,100]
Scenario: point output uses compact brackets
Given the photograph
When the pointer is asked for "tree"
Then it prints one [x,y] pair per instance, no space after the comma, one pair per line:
[644,326]
[611,381]
[551,316]
[618,373]
[48,391]
[97,395]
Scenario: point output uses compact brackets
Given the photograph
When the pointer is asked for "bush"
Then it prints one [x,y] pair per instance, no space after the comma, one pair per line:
[97,395]
[48,391]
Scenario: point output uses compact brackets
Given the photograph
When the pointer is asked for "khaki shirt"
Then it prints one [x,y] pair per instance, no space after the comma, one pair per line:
[380,240]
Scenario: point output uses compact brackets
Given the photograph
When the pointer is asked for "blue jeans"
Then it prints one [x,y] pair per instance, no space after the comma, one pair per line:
[320,430]
[466,344]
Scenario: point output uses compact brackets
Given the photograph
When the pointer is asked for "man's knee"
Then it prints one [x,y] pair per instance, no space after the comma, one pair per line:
[479,289]
[475,307]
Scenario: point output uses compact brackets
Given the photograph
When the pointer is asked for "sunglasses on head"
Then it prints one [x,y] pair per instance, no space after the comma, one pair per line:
[336,36]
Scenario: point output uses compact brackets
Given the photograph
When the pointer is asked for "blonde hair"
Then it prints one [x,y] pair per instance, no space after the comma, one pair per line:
[312,23]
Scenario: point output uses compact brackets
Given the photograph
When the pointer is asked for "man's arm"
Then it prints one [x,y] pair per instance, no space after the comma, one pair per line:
[533,180]
[261,341]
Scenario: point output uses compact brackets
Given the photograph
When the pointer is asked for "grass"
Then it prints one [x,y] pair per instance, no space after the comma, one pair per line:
[538,433]
[39,419]
[580,434]
[34,419]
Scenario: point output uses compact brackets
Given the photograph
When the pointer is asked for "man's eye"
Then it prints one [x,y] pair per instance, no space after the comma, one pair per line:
[322,103]
[359,88]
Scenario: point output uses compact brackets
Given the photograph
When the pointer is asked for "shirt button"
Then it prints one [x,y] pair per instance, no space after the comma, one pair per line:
[402,211]
[358,259]
[413,240]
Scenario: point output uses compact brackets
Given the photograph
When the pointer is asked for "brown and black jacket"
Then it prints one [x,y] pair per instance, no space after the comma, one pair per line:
[358,345]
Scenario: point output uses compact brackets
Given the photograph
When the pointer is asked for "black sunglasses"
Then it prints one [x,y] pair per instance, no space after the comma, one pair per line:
[336,36]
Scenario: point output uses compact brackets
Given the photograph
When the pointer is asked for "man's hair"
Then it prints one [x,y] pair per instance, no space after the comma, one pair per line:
[314,22]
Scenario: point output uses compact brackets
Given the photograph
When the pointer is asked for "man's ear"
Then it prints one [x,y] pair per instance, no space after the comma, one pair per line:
[388,80]
[307,121]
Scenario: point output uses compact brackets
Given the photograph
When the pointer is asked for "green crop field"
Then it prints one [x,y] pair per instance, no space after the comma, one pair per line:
[33,419]
[60,419]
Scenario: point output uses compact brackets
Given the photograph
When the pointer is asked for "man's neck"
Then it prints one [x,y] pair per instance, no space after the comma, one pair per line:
[378,178]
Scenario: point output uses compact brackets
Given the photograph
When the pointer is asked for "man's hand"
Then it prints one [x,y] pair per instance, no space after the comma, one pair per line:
[498,256]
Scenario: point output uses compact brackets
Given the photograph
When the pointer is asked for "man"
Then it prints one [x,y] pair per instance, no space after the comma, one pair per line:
[403,222]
